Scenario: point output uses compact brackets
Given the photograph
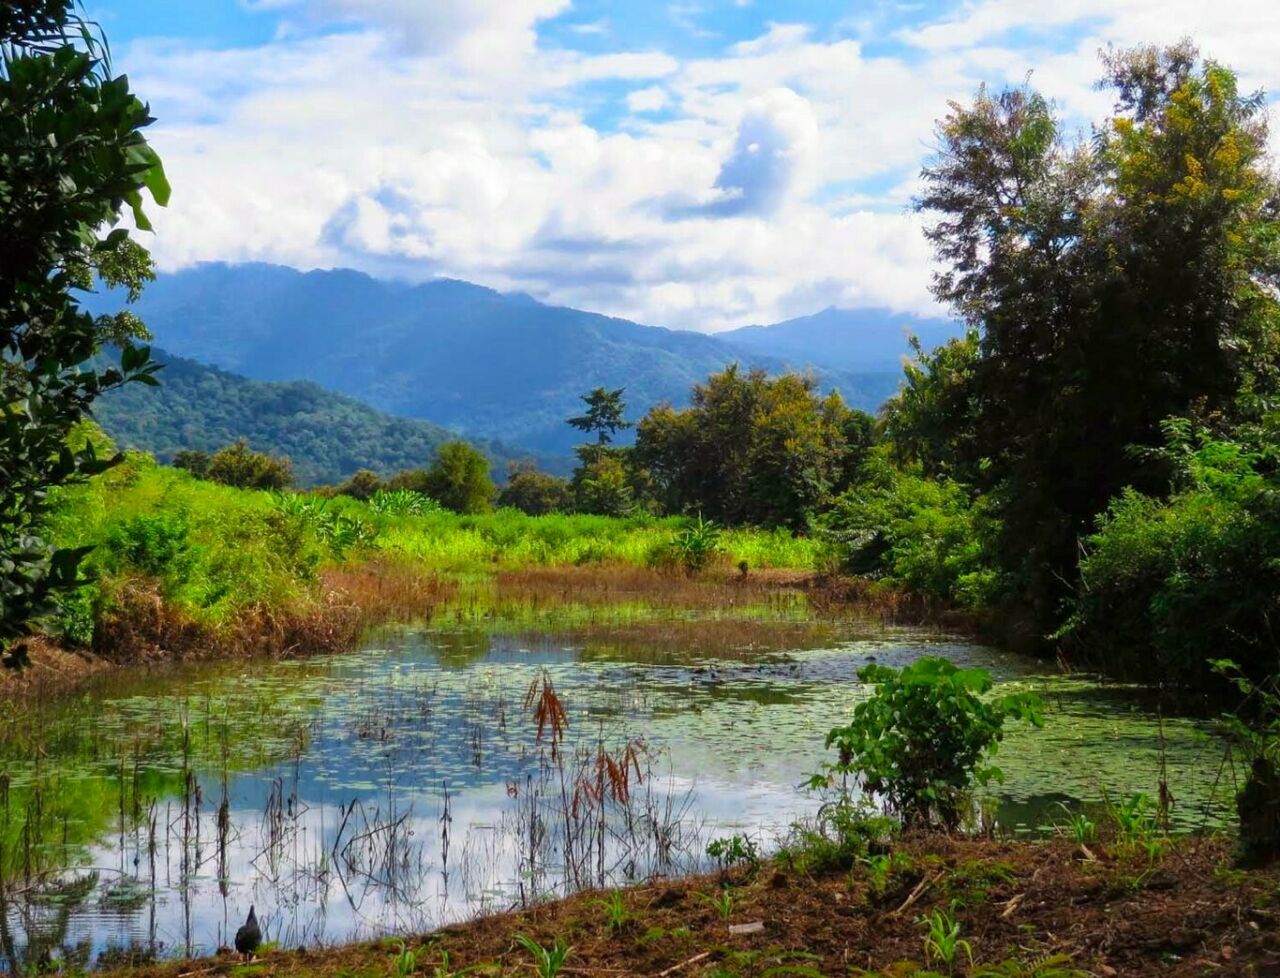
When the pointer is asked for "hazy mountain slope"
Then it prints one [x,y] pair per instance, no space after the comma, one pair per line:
[863,340]
[489,364]
[328,436]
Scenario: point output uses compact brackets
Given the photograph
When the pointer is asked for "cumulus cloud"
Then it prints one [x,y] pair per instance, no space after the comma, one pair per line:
[763,181]
[775,141]
[651,99]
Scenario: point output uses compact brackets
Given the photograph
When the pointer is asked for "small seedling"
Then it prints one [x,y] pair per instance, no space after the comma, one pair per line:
[722,902]
[615,911]
[1079,828]
[406,962]
[943,942]
[547,960]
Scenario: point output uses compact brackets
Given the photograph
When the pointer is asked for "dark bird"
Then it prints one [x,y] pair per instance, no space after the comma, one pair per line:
[249,936]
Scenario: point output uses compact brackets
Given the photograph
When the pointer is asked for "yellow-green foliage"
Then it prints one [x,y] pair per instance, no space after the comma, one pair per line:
[212,550]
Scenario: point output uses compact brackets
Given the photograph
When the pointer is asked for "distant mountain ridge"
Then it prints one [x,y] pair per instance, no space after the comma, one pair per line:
[327,436]
[843,339]
[489,364]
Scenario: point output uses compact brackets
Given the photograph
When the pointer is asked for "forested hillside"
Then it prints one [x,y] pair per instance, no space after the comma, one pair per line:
[489,364]
[327,436]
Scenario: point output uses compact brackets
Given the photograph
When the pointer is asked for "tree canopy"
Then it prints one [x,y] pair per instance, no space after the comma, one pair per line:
[73,159]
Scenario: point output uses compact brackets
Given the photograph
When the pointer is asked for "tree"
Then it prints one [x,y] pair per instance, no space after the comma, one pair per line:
[1111,284]
[238,465]
[533,492]
[602,485]
[750,449]
[72,158]
[605,409]
[459,479]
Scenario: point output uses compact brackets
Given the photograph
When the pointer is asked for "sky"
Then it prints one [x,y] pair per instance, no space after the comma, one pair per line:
[699,164]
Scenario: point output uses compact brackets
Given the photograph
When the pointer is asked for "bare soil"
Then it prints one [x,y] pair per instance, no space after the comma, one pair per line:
[1102,910]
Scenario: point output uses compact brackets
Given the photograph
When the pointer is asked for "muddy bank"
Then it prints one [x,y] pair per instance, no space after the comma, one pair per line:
[1025,909]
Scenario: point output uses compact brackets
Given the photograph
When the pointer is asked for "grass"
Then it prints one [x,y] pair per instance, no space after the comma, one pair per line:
[182,566]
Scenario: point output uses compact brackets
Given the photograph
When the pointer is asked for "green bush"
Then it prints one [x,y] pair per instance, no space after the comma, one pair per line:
[924,739]
[240,466]
[926,535]
[1166,584]
[154,544]
[535,493]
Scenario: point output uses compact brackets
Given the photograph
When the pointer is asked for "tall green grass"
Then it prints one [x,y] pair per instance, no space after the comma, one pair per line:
[210,551]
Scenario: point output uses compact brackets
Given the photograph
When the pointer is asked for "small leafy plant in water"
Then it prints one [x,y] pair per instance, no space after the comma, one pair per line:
[924,739]
[547,961]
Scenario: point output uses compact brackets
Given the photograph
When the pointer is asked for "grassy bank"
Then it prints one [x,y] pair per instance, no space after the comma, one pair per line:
[933,906]
[180,567]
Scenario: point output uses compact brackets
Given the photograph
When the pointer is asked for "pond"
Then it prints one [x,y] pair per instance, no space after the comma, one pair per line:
[407,784]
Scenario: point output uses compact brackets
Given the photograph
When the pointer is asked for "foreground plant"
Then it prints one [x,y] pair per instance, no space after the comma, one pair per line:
[72,158]
[924,739]
[942,940]
[548,961]
[1255,730]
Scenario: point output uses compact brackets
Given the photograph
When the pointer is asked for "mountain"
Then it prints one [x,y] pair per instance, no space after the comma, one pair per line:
[328,436]
[489,364]
[842,339]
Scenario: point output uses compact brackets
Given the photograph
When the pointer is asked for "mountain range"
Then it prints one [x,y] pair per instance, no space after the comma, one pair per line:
[490,365]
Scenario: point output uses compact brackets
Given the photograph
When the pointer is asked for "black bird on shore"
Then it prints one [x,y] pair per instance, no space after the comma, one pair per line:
[249,936]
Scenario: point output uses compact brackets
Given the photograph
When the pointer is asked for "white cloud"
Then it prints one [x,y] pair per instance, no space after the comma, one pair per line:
[651,99]
[765,182]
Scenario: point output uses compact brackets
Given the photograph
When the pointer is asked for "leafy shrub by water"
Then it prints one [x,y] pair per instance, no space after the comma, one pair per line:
[924,738]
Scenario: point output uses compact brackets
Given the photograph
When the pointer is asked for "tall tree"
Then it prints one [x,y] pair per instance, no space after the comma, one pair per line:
[751,449]
[72,159]
[459,479]
[1112,284]
[604,417]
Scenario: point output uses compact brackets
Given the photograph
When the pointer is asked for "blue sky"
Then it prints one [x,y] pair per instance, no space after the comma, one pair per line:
[694,164]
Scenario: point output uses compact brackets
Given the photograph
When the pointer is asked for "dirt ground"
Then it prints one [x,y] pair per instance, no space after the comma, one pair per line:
[1024,907]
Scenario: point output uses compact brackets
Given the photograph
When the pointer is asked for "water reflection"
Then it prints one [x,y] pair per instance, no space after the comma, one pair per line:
[404,785]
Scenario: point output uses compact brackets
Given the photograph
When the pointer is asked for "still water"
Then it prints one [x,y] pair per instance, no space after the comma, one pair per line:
[405,785]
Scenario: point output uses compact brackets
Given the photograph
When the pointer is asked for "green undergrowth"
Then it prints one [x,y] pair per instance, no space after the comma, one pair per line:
[210,551]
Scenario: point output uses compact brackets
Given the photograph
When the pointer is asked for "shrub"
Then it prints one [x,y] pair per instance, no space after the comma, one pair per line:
[924,737]
[1255,729]
[927,535]
[240,466]
[459,479]
[155,544]
[362,485]
[1167,583]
